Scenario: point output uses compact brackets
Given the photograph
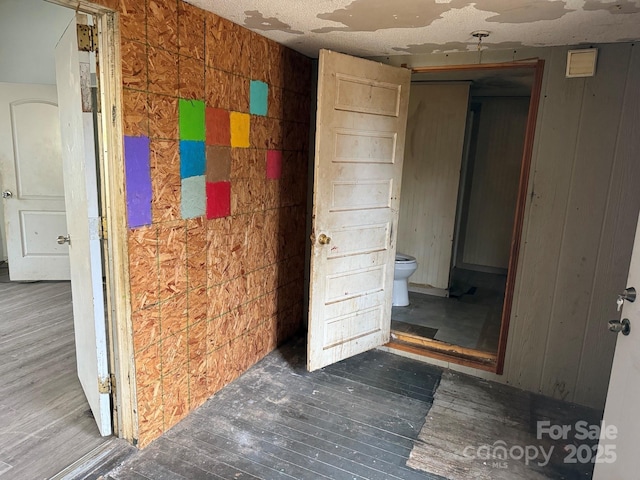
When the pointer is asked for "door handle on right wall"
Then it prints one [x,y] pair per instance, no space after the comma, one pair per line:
[62,239]
[617,326]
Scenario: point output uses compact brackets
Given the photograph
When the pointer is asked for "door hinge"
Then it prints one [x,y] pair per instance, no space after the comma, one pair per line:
[103,227]
[105,384]
[87,38]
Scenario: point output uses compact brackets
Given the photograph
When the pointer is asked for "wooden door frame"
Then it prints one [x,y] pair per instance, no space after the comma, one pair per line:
[465,356]
[111,191]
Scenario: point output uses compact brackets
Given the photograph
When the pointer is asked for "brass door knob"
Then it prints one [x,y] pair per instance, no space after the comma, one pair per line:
[323,239]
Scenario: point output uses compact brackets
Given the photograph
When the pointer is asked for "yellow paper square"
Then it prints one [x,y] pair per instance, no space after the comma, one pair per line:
[239,129]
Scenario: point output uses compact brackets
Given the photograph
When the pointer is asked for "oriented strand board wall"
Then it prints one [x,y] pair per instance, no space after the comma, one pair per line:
[431,172]
[211,292]
[580,218]
[494,183]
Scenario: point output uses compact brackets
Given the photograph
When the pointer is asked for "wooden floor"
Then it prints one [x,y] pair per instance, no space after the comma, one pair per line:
[45,421]
[363,418]
[355,420]
[487,431]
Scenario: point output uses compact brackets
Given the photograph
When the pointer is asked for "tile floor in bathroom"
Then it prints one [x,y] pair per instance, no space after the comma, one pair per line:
[471,319]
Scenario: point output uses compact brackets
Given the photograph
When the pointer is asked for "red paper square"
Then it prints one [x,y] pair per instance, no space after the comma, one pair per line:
[218,126]
[218,199]
[274,164]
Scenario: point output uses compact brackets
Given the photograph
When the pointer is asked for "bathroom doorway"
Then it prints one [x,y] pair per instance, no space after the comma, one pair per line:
[467,158]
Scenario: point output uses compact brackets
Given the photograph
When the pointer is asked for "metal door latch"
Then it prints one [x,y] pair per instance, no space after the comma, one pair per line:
[618,326]
[64,239]
[7,194]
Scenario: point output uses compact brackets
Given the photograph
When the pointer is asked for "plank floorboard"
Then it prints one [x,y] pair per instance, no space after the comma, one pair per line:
[194,455]
[356,457]
[206,446]
[334,455]
[345,436]
[357,392]
[261,452]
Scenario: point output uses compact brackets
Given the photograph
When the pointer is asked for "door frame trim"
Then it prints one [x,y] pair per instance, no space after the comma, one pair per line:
[445,351]
[120,331]
[521,203]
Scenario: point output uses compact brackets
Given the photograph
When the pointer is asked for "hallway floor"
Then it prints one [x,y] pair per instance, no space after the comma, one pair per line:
[367,417]
[45,421]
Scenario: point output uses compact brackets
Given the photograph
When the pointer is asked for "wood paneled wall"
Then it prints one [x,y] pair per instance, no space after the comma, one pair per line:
[431,172]
[580,218]
[488,225]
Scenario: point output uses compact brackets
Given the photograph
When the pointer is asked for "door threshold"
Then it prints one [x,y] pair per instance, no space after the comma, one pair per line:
[447,352]
[98,461]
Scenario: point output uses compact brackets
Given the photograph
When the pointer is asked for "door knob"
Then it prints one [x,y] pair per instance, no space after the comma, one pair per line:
[7,194]
[323,239]
[618,326]
[64,239]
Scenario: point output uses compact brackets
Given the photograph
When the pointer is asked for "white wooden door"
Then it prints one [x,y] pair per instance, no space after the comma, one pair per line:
[433,154]
[618,447]
[31,182]
[83,225]
[361,121]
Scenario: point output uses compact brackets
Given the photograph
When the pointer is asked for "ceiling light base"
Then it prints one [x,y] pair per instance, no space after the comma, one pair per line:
[480,34]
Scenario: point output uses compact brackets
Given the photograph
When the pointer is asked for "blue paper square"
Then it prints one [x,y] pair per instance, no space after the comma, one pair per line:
[193,197]
[258,94]
[192,158]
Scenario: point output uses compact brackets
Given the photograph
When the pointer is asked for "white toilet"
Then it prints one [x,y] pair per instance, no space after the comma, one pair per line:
[404,268]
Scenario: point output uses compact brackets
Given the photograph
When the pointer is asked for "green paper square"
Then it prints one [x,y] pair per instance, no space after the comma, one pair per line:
[191,120]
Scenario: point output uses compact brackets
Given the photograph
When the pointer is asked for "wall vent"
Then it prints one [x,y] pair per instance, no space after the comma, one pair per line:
[581,63]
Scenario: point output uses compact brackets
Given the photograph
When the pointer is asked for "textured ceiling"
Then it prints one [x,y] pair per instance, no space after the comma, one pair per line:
[392,27]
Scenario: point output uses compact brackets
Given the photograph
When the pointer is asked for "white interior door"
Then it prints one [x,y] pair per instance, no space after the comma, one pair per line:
[433,154]
[618,450]
[31,182]
[83,224]
[361,121]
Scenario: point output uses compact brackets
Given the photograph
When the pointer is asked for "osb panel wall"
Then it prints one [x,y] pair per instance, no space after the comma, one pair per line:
[212,294]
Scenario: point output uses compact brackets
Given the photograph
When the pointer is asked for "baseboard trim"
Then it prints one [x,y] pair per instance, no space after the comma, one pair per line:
[437,292]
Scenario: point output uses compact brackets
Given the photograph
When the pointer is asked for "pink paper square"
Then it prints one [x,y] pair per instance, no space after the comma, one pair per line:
[274,164]
[218,199]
